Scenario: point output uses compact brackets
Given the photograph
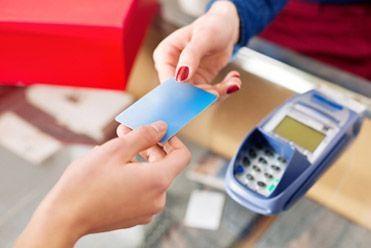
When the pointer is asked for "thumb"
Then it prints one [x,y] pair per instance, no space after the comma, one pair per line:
[144,137]
[190,57]
[174,162]
[136,141]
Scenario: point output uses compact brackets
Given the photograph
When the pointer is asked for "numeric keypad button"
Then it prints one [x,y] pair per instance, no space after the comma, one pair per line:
[250,177]
[263,160]
[246,161]
[275,168]
[261,184]
[268,152]
[256,168]
[267,175]
[282,159]
[252,153]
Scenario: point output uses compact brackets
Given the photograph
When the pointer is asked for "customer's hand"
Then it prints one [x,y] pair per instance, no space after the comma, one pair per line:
[107,189]
[196,53]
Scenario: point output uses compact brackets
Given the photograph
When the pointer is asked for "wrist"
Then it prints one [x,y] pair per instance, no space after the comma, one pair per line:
[228,11]
[50,225]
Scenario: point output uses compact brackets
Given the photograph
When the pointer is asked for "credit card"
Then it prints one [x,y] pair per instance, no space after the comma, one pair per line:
[173,102]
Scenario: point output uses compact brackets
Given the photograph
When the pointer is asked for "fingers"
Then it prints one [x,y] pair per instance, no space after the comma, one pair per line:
[230,84]
[165,57]
[177,158]
[152,154]
[144,137]
[172,159]
[167,53]
[191,56]
[128,146]
[122,130]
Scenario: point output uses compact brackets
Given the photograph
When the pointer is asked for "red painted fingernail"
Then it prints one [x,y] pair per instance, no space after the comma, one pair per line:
[232,89]
[182,74]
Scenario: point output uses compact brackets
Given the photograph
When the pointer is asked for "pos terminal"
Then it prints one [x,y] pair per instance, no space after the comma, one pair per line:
[288,151]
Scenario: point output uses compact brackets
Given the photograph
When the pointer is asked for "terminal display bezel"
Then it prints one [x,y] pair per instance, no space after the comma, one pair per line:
[309,117]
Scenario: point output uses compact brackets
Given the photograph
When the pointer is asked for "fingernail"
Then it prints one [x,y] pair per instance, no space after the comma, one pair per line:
[182,74]
[160,126]
[233,89]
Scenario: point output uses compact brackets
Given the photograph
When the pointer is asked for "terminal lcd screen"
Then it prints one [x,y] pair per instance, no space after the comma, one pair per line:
[299,133]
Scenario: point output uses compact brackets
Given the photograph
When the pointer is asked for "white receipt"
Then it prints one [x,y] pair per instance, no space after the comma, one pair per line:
[205,209]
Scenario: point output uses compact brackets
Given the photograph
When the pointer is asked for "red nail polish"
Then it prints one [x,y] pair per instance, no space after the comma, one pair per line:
[182,74]
[232,89]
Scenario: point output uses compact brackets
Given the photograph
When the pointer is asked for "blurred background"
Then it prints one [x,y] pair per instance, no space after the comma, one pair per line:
[55,106]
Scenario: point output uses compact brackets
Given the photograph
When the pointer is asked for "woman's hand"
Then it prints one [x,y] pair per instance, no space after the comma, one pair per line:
[196,53]
[107,189]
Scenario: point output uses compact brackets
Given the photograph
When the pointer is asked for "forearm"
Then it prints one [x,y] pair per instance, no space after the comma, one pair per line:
[255,15]
[49,227]
[227,11]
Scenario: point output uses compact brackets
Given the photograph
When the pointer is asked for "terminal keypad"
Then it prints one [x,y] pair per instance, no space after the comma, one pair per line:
[260,169]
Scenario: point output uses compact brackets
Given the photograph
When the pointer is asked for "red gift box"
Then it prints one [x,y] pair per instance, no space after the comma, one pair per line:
[89,43]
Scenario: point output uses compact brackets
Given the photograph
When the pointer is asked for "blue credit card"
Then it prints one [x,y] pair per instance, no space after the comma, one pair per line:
[173,102]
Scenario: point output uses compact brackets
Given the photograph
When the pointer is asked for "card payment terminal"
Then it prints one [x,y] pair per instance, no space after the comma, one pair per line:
[288,151]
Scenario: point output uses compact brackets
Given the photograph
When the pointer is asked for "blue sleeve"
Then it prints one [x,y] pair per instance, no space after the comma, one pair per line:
[255,15]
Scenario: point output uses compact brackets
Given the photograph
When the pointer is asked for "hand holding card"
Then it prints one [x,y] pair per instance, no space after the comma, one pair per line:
[173,102]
